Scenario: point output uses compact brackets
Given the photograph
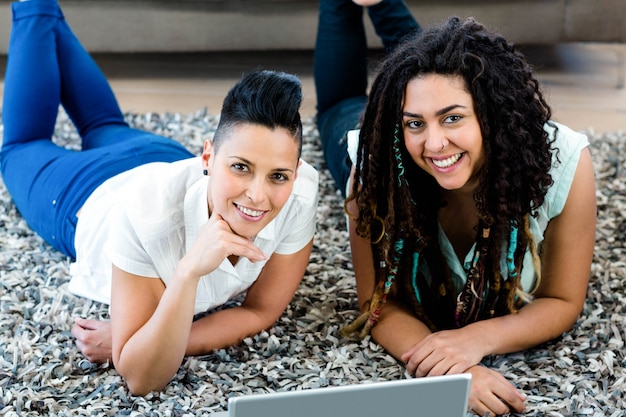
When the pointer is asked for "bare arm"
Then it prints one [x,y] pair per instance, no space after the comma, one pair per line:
[565,262]
[265,301]
[151,323]
[397,329]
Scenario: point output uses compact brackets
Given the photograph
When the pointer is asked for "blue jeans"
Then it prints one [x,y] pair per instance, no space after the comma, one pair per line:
[340,70]
[46,67]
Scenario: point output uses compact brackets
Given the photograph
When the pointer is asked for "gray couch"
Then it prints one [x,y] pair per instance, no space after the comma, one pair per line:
[213,25]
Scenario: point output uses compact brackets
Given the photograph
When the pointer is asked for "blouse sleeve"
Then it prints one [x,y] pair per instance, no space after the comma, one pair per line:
[569,145]
[124,247]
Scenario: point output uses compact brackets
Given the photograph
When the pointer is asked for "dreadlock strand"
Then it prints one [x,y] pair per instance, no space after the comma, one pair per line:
[522,295]
[533,251]
[362,326]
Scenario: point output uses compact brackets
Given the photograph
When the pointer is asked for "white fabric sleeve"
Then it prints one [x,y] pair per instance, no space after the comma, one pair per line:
[124,247]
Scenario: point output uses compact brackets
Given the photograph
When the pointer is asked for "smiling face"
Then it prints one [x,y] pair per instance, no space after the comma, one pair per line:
[252,175]
[441,130]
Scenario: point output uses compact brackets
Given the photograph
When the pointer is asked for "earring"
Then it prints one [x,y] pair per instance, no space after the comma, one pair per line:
[205,172]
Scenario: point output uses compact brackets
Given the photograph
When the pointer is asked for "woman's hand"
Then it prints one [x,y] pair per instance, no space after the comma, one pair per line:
[444,352]
[215,242]
[491,393]
[93,339]
[454,352]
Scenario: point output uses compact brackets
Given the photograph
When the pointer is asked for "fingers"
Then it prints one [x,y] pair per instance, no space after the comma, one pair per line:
[494,406]
[214,243]
[440,353]
[87,323]
[234,244]
[438,367]
[414,358]
[420,366]
[93,339]
[242,247]
[492,393]
[407,356]
[431,361]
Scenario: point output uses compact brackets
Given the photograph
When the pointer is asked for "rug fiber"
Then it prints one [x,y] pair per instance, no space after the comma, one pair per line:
[41,372]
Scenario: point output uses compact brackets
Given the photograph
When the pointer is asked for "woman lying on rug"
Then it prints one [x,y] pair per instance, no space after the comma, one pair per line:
[472,215]
[177,235]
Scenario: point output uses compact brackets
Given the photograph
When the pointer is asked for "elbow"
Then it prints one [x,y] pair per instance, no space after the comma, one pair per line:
[571,321]
[137,389]
[565,316]
[141,387]
[572,314]
[139,382]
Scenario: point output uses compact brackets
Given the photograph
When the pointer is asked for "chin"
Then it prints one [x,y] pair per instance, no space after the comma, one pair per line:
[244,232]
[452,186]
[248,232]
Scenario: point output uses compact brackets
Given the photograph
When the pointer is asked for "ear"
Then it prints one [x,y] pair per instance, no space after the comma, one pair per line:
[207,155]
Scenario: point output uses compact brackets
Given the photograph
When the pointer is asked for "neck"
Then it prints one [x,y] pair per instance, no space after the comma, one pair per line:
[463,197]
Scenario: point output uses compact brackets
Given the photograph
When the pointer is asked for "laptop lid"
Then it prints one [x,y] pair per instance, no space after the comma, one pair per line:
[445,396]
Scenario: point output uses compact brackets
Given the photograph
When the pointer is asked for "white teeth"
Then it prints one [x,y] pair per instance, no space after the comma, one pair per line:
[250,212]
[445,163]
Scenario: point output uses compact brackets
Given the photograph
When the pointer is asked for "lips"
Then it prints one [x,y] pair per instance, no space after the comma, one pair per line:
[249,212]
[448,162]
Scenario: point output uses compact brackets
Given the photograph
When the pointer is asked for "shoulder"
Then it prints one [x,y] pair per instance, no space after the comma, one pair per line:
[565,140]
[568,145]
[161,180]
[153,195]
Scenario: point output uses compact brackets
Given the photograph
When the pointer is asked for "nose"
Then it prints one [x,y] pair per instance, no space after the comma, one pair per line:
[435,138]
[256,192]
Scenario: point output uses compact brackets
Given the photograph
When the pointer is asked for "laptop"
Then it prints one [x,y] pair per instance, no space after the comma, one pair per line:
[436,396]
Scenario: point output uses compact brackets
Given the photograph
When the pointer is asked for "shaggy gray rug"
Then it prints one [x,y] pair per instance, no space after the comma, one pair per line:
[41,372]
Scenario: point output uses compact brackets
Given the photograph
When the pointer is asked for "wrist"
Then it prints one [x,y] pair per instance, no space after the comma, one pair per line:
[481,334]
[185,272]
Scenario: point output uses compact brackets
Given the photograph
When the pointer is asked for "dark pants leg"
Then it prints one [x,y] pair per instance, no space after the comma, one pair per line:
[48,67]
[340,70]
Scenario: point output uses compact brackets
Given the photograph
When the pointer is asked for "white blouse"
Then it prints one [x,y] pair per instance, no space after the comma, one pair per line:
[145,220]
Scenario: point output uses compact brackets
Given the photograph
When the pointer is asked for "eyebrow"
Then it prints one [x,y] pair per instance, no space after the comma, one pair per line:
[439,112]
[247,162]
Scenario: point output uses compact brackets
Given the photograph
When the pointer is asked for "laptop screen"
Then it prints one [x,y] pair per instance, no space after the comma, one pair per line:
[445,396]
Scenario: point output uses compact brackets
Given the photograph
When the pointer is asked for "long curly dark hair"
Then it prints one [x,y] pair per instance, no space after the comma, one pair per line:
[398,202]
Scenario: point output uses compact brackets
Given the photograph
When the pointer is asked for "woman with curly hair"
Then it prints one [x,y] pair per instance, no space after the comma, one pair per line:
[472,214]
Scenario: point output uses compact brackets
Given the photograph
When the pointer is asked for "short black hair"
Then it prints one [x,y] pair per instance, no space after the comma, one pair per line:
[265,98]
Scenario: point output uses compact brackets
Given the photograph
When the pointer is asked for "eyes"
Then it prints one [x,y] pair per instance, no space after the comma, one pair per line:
[242,168]
[447,120]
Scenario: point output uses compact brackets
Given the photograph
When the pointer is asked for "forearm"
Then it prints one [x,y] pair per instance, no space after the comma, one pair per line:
[540,321]
[151,356]
[225,328]
[397,330]
[408,339]
[265,301]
